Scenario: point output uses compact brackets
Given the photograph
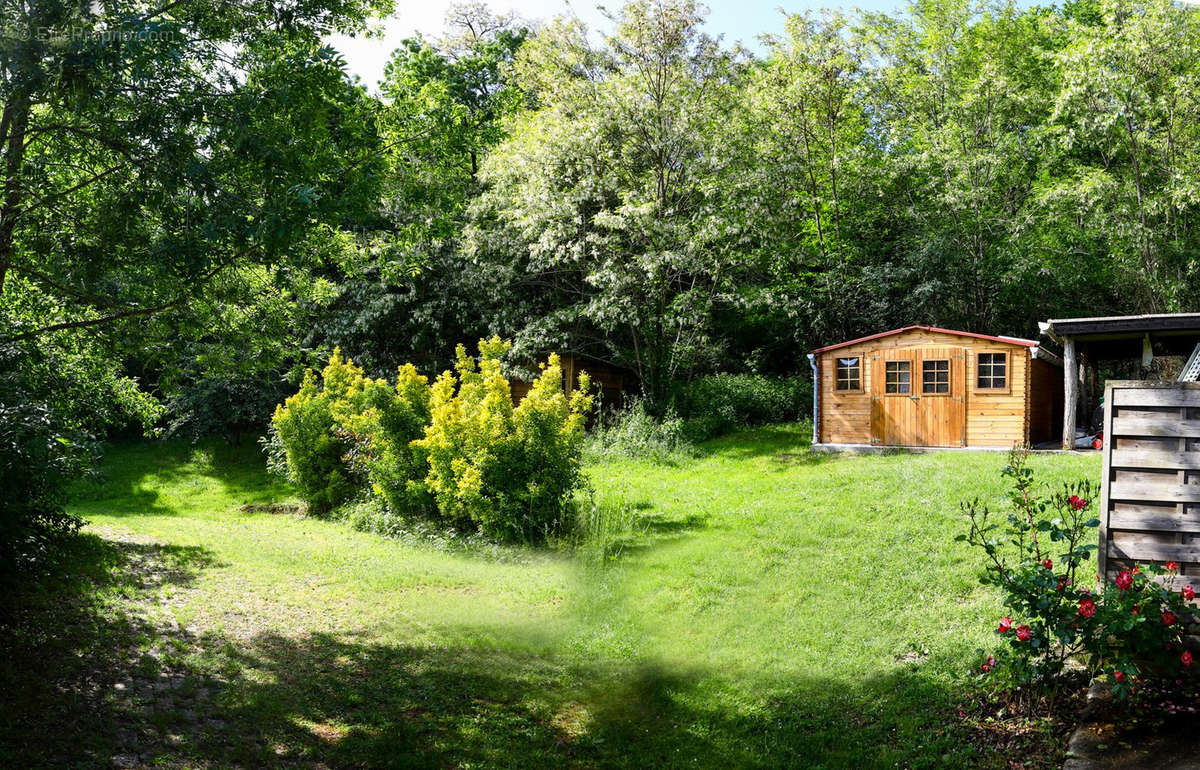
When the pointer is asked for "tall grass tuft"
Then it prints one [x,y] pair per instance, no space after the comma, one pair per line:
[635,433]
[604,527]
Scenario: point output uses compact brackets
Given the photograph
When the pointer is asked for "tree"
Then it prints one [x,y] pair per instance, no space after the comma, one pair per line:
[412,295]
[149,152]
[1126,141]
[808,190]
[606,203]
[148,148]
[960,100]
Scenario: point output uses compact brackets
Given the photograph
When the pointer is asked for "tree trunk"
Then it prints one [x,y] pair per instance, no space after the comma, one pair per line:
[1070,392]
[15,121]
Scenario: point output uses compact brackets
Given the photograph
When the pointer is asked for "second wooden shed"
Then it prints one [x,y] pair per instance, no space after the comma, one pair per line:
[922,386]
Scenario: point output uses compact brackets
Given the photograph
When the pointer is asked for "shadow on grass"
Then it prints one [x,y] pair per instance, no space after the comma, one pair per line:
[786,445]
[72,645]
[325,700]
[132,475]
[91,681]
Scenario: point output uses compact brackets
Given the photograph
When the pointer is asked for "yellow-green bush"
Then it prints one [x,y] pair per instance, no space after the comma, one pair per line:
[311,429]
[385,432]
[459,450]
[509,471]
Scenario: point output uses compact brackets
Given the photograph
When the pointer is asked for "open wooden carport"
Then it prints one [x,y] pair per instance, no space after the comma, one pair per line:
[1088,341]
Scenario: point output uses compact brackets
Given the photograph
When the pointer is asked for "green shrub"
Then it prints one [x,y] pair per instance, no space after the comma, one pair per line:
[717,404]
[55,395]
[635,433]
[223,405]
[511,472]
[38,459]
[384,434]
[310,429]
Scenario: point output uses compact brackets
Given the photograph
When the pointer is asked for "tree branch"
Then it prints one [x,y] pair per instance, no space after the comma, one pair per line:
[131,313]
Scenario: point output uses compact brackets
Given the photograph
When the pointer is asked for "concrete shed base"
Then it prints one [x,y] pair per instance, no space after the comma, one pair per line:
[872,449]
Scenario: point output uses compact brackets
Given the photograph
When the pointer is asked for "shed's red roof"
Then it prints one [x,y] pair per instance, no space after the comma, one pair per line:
[868,338]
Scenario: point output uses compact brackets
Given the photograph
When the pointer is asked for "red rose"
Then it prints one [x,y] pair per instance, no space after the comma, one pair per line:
[1137,570]
[1136,611]
[1077,502]
[1023,633]
[1119,676]
[1186,658]
[1172,566]
[1168,618]
[1060,586]
[1087,608]
[1188,592]
[1048,564]
[1005,624]
[1124,580]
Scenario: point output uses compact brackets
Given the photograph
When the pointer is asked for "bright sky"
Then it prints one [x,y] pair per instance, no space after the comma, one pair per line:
[736,20]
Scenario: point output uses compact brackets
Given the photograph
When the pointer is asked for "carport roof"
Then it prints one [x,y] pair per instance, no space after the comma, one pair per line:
[1121,336]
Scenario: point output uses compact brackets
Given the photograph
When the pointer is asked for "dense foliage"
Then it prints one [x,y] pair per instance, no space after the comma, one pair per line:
[716,404]
[634,432]
[164,168]
[311,430]
[511,471]
[679,208]
[53,401]
[1131,626]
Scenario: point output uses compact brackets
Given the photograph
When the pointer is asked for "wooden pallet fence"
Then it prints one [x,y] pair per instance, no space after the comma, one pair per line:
[1150,496]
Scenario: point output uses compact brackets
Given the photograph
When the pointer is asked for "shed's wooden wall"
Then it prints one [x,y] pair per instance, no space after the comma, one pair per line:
[845,417]
[609,382]
[1150,494]
[998,419]
[993,419]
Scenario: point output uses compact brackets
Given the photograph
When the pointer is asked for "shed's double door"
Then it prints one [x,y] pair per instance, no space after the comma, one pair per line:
[917,397]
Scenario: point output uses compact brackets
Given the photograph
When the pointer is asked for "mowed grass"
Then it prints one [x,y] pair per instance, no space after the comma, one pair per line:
[769,607]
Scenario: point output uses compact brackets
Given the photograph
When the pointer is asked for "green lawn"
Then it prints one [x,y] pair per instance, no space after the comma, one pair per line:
[771,608]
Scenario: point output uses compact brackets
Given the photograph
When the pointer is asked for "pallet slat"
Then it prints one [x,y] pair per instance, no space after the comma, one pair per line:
[1175,493]
[1149,522]
[1168,426]
[1156,459]
[1155,397]
[1154,552]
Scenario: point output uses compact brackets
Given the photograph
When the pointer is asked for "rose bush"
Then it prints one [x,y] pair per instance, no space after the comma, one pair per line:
[1039,555]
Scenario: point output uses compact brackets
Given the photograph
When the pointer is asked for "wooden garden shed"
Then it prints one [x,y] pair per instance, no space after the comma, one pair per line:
[921,386]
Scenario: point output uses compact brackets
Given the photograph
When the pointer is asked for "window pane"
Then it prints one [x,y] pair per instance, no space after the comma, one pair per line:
[935,376]
[897,377]
[992,371]
[848,374]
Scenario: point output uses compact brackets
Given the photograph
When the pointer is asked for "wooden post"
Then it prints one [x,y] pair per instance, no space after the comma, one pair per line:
[1105,483]
[1070,392]
[1085,389]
